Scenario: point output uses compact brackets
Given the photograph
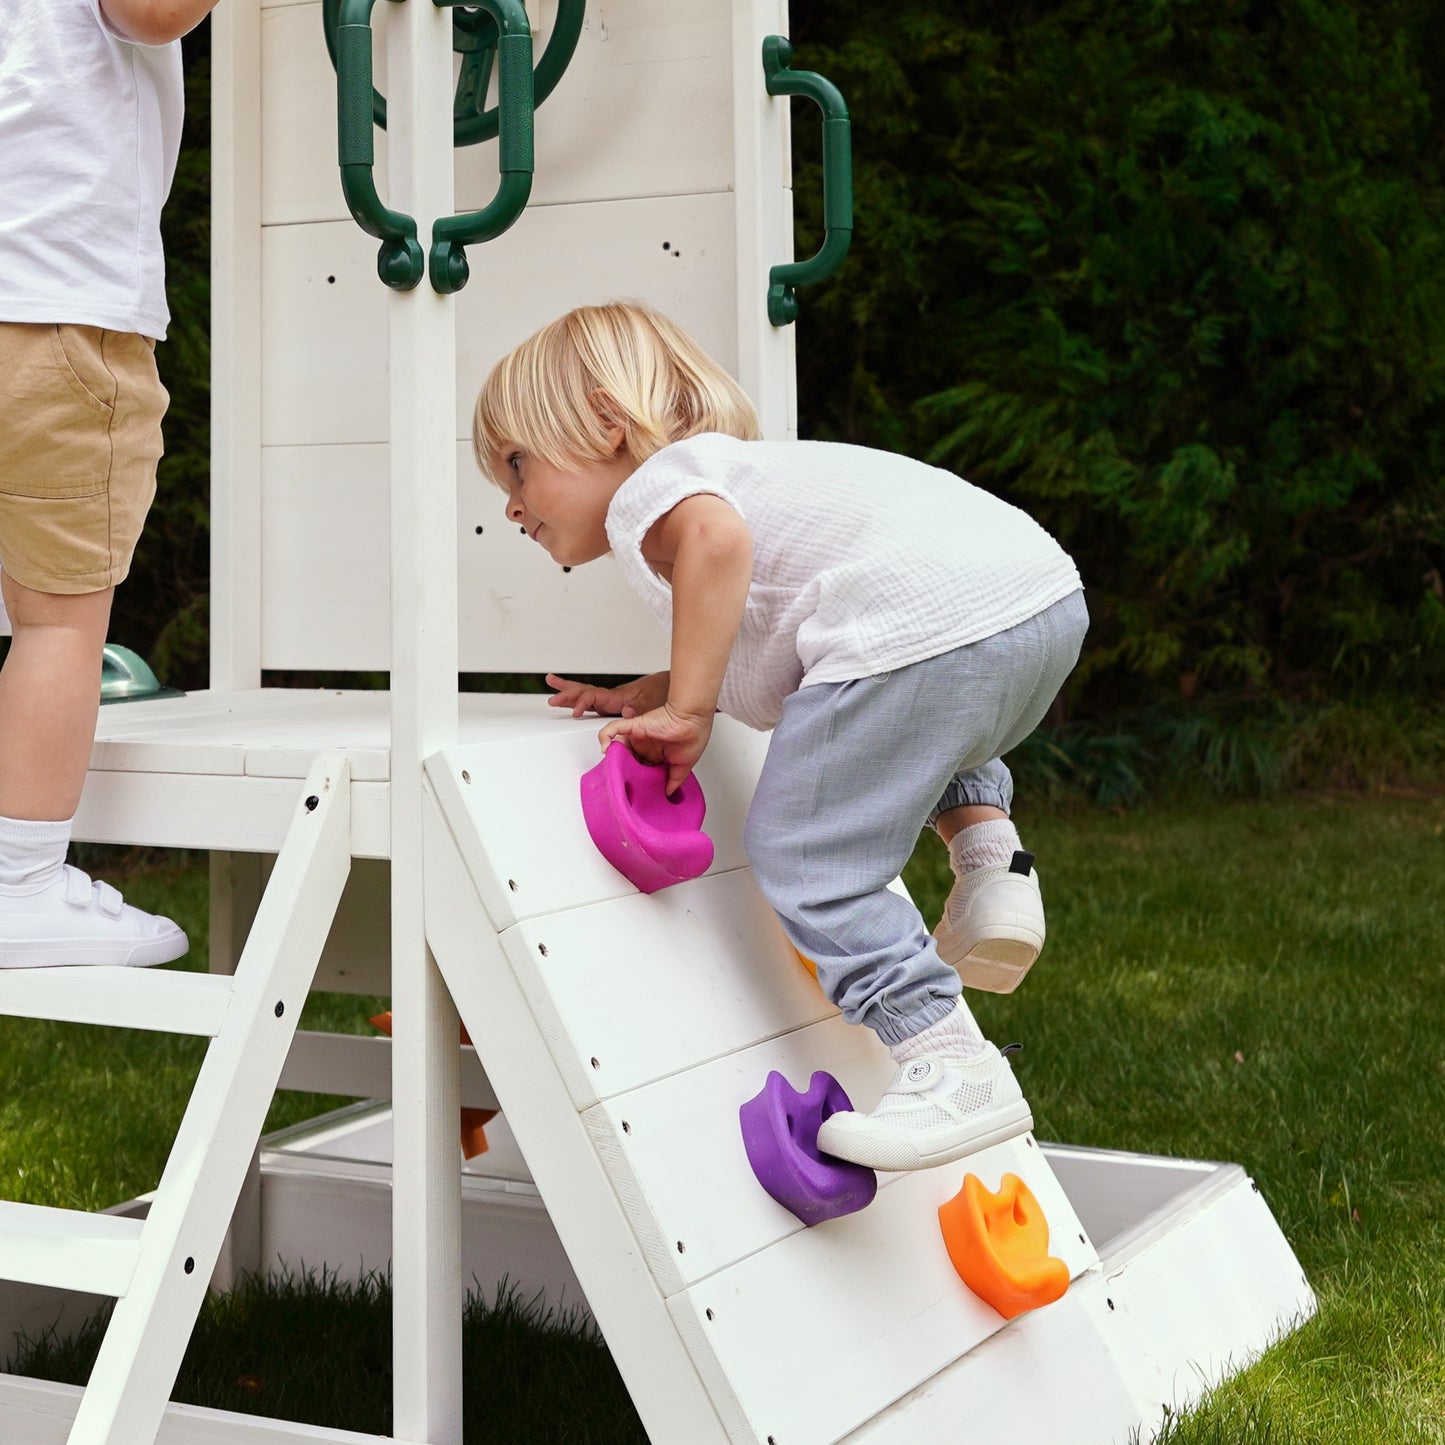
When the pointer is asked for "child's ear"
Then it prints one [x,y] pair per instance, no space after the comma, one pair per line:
[612,419]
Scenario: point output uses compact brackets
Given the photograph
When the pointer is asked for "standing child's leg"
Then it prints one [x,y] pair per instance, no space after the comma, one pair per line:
[78,453]
[49,697]
[51,914]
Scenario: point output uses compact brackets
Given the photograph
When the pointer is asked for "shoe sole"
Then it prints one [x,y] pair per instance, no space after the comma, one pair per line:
[92,953]
[895,1155]
[995,962]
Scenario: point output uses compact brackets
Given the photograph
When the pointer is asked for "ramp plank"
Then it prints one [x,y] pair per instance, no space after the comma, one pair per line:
[515,809]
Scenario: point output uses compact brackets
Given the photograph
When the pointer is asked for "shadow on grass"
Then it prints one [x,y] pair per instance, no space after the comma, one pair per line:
[317,1350]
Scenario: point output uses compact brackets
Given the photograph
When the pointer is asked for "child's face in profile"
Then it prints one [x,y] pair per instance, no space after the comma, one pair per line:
[562,508]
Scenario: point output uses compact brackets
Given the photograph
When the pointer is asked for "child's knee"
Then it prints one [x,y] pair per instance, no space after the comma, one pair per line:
[84,612]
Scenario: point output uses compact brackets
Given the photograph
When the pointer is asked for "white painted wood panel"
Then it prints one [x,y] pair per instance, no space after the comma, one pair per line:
[163,999]
[240,815]
[236,365]
[698,971]
[645,109]
[38,1412]
[804,1340]
[1051,1377]
[516,806]
[323,311]
[326,578]
[67,1249]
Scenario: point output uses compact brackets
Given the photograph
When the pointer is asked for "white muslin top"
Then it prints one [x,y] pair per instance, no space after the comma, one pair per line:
[90,130]
[863,561]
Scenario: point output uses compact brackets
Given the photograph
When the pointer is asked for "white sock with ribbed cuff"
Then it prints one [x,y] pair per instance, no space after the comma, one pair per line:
[32,854]
[954,1036]
[984,845]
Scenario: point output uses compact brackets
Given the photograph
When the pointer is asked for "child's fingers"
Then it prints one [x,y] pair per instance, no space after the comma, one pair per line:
[617,728]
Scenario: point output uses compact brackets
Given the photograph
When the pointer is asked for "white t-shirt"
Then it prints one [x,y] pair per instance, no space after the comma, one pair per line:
[90,129]
[863,561]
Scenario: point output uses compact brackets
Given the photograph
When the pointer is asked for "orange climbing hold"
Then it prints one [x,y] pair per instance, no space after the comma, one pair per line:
[999,1244]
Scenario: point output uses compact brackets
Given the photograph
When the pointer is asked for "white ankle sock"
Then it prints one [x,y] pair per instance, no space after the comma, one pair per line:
[955,1036]
[31,853]
[984,845]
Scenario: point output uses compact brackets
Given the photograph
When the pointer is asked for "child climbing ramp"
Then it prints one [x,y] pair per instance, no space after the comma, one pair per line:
[896,629]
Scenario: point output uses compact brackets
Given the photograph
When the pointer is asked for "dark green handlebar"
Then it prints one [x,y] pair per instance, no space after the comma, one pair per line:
[837,179]
[447,263]
[400,262]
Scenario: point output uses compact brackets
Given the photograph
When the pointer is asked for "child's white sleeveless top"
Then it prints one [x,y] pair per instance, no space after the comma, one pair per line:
[863,561]
[90,129]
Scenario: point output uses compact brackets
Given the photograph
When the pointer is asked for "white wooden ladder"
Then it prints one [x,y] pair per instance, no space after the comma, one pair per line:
[158,1269]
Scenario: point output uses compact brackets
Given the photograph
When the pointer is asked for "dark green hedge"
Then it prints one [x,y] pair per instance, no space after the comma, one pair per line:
[1169,275]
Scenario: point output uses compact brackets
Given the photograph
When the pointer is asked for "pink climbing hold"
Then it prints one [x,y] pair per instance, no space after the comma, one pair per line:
[651,839]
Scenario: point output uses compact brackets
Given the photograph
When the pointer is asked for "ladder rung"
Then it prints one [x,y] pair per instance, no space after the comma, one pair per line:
[164,1000]
[68,1249]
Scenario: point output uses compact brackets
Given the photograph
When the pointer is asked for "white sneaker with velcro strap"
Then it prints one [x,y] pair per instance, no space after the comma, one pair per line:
[77,921]
[992,927]
[936,1110]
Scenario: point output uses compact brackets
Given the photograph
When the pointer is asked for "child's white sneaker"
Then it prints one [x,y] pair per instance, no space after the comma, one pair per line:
[992,927]
[936,1110]
[77,921]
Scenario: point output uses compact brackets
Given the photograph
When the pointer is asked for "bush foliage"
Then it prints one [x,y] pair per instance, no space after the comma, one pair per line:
[1169,274]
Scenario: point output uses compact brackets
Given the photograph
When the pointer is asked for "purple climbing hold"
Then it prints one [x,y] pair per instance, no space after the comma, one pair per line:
[651,839]
[780,1133]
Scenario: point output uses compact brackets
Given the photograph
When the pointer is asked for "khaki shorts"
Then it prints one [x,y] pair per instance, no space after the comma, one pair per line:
[80,437]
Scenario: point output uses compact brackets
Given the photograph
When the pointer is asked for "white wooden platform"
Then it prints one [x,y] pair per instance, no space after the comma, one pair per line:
[219,770]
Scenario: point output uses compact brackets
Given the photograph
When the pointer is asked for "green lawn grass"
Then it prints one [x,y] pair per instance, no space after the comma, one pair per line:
[1260,983]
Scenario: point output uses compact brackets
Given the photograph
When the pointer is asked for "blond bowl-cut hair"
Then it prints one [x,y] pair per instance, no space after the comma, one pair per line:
[556,395]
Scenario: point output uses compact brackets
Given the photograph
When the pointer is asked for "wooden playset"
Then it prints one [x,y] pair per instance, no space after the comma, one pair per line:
[429,843]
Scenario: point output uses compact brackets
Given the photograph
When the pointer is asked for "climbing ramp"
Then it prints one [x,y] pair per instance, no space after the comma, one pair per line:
[622,1032]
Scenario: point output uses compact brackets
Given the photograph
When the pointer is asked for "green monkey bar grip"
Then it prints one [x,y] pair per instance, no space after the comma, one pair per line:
[837,179]
[400,262]
[447,260]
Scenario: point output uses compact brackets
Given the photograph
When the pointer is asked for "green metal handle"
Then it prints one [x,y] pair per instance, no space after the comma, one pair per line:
[447,261]
[400,262]
[837,179]
[474,36]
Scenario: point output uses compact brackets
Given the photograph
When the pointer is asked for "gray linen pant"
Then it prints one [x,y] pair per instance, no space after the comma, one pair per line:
[854,771]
